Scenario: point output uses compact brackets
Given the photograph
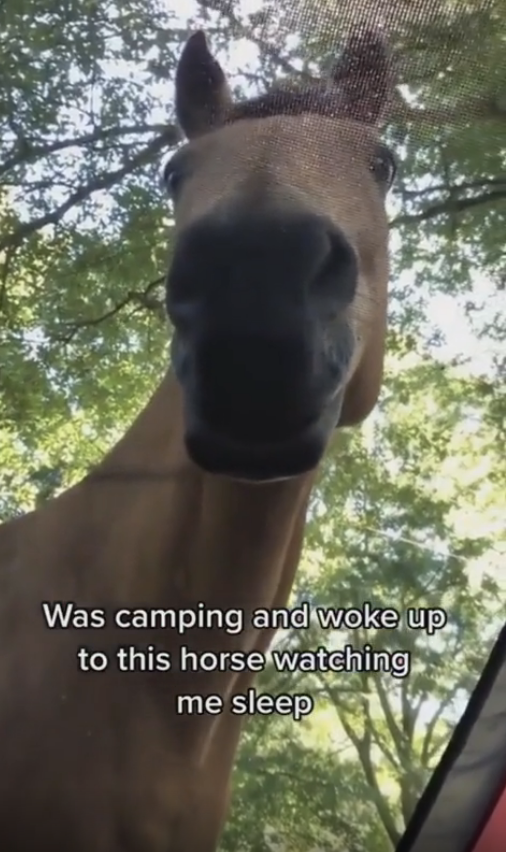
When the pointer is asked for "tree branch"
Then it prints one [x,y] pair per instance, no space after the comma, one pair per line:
[142,298]
[363,748]
[461,113]
[426,751]
[225,8]
[104,181]
[456,187]
[32,150]
[454,205]
[393,728]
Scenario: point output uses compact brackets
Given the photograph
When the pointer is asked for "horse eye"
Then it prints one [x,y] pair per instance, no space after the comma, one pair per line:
[384,167]
[171,178]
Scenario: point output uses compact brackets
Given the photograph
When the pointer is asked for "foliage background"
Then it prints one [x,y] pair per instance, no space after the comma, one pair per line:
[408,509]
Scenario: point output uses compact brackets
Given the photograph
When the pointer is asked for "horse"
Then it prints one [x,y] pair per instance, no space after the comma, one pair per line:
[277,293]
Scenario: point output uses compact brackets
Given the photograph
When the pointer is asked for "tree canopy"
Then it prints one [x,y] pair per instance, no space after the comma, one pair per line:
[408,509]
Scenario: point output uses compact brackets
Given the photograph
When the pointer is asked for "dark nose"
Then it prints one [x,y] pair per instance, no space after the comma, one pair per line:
[250,262]
[253,387]
[247,294]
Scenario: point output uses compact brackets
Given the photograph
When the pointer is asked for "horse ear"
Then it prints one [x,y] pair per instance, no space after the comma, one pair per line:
[202,92]
[362,391]
[364,76]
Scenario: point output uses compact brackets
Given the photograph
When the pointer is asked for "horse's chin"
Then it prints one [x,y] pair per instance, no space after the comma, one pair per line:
[255,463]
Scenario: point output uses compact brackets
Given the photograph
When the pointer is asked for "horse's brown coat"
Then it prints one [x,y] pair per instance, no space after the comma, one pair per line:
[100,761]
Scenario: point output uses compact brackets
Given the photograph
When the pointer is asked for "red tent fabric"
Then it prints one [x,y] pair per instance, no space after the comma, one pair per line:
[463,808]
[493,836]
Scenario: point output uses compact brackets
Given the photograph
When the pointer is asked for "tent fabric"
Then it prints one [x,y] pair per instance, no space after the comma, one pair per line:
[463,808]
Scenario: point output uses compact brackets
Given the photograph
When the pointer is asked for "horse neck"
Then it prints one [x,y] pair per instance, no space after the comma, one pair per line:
[147,527]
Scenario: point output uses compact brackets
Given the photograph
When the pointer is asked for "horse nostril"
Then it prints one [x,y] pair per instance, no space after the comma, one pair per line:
[338,273]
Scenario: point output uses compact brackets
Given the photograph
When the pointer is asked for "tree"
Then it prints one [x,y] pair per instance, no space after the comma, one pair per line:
[389,525]
[409,508]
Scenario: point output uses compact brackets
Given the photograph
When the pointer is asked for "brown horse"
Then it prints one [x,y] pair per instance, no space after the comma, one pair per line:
[277,292]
